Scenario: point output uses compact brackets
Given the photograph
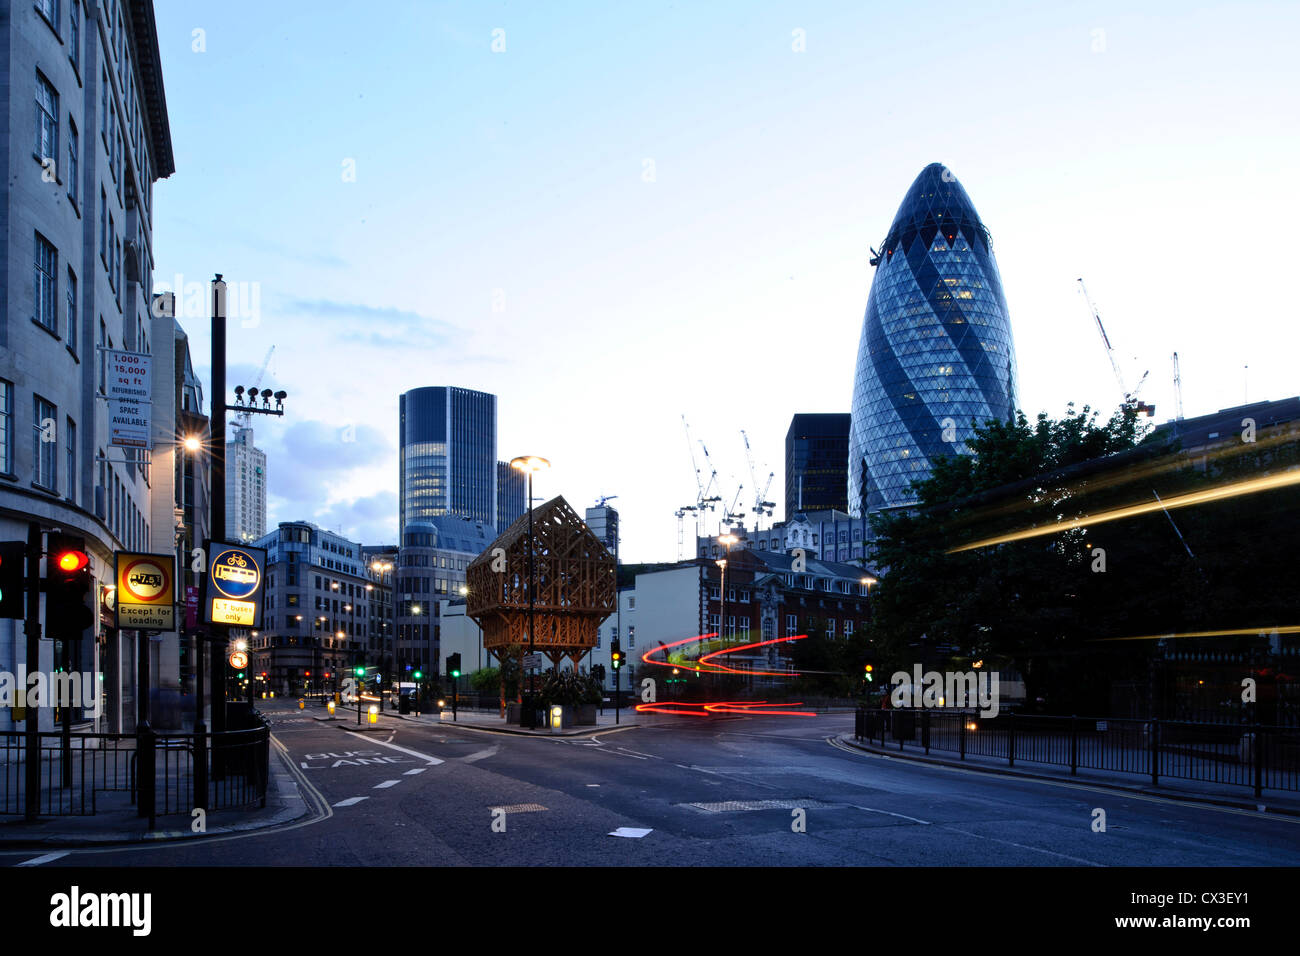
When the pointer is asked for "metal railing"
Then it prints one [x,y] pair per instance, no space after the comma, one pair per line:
[101,773]
[1247,755]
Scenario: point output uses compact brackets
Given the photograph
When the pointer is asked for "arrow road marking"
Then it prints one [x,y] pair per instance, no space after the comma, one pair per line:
[635,833]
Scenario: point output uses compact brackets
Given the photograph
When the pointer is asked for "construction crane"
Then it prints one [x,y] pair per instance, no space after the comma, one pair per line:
[601,499]
[244,418]
[1130,397]
[733,516]
[761,506]
[1178,390]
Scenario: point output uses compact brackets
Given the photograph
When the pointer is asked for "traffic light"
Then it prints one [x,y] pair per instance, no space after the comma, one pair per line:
[615,655]
[418,674]
[359,671]
[453,666]
[13,577]
[67,587]
[868,672]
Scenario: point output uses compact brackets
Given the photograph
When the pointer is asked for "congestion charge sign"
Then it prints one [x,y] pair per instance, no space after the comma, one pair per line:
[145,599]
[232,592]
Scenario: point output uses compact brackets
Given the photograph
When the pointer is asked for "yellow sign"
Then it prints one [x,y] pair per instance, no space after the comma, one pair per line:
[144,597]
[235,613]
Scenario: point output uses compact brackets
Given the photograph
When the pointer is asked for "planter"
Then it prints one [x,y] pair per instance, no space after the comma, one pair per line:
[584,715]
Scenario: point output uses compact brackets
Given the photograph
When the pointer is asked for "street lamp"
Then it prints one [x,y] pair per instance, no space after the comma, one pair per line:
[530,464]
[728,540]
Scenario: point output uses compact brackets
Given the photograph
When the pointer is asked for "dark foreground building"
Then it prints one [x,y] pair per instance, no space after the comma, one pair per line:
[816,463]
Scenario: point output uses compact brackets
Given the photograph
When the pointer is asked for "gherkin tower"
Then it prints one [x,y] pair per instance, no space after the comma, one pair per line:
[936,352]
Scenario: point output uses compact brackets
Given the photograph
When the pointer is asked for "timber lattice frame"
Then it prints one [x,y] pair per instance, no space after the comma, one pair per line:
[575,575]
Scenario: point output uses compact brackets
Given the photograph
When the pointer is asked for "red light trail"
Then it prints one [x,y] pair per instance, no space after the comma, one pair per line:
[705,664]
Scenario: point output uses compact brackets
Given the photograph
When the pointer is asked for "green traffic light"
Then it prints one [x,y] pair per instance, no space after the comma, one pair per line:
[419,674]
[455,673]
[359,671]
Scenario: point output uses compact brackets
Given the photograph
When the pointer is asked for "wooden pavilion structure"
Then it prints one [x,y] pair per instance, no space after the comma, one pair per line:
[575,586]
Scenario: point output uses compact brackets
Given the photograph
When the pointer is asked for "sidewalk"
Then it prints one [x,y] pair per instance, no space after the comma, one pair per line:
[120,824]
[1243,798]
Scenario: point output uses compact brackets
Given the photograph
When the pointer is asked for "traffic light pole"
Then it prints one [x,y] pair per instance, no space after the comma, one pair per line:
[32,628]
[217,531]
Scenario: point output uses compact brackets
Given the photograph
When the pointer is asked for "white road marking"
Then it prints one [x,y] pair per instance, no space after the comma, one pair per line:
[431,761]
[638,753]
[635,833]
[901,816]
[481,754]
[412,773]
[349,801]
[593,785]
[37,861]
[386,784]
[1064,856]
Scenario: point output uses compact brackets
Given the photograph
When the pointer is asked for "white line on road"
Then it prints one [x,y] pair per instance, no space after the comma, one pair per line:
[638,753]
[349,801]
[386,784]
[901,816]
[431,761]
[635,833]
[412,773]
[480,754]
[47,858]
[1035,849]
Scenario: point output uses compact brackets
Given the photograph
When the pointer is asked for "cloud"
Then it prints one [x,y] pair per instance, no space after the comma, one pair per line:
[370,519]
[380,325]
[312,456]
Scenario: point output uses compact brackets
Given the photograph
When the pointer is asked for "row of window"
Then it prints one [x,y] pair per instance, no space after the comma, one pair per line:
[123,518]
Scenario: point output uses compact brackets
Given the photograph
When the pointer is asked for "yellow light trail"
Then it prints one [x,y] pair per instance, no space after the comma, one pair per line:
[1247,487]
[1235,632]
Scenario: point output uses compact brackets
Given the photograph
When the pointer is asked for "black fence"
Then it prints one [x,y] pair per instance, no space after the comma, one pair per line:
[105,773]
[1247,755]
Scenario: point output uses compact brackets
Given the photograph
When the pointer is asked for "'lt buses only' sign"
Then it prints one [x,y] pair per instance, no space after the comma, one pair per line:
[232,588]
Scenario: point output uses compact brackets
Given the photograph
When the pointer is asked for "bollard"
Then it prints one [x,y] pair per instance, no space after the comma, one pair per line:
[302,704]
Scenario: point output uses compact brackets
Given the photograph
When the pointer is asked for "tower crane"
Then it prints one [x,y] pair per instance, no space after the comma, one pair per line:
[601,499]
[1130,397]
[761,506]
[244,418]
[1178,390]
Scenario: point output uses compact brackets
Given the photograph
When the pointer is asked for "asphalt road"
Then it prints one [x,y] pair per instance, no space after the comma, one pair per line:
[717,792]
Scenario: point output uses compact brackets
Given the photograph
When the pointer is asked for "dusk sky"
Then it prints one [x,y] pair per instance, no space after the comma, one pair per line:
[625,214]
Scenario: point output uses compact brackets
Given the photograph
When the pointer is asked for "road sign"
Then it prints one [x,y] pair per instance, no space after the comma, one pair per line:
[533,662]
[232,588]
[239,660]
[145,596]
[127,388]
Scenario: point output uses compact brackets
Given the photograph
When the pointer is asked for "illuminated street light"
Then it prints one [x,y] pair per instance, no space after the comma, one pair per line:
[192,444]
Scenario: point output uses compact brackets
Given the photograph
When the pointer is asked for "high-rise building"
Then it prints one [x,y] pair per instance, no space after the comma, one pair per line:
[603,522]
[936,355]
[448,448]
[86,135]
[245,487]
[817,463]
[512,488]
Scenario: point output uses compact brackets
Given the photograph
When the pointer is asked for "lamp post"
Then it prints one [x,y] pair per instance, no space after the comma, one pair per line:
[530,464]
[728,540]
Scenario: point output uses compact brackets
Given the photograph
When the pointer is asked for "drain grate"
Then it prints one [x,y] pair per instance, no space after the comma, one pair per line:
[522,808]
[729,806]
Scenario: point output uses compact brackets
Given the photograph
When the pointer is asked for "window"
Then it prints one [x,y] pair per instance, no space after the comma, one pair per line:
[70,443]
[103,344]
[744,597]
[74,145]
[49,9]
[44,288]
[44,444]
[74,36]
[830,627]
[791,624]
[6,427]
[72,311]
[47,122]
[103,226]
[848,628]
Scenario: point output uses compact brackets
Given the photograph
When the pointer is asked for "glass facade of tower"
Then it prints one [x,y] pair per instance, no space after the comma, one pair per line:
[816,463]
[936,354]
[448,440]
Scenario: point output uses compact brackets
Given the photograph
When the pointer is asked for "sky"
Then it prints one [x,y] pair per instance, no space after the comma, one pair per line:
[614,216]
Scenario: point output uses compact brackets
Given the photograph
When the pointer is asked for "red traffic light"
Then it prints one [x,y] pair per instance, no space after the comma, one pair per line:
[71,561]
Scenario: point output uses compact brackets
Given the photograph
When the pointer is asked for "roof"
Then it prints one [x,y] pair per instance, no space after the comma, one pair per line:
[149,63]
[1226,423]
[784,564]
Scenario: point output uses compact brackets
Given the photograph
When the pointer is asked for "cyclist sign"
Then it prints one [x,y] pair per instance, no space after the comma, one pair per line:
[232,588]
